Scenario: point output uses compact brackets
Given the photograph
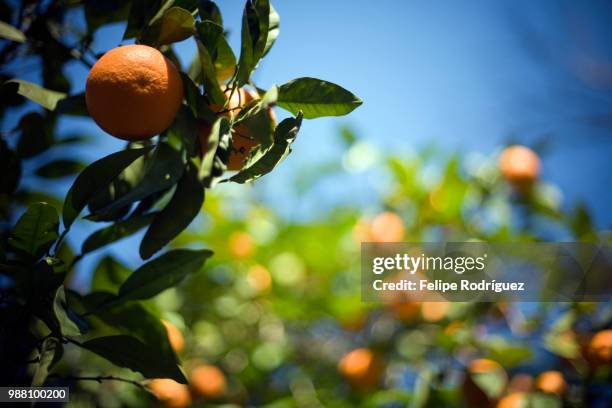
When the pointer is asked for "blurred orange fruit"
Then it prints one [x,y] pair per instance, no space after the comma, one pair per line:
[170,393]
[551,382]
[241,245]
[208,381]
[519,165]
[599,350]
[133,92]
[175,337]
[259,278]
[384,227]
[406,311]
[514,400]
[361,368]
[434,311]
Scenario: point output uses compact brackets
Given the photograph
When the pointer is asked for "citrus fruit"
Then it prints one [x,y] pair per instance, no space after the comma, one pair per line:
[170,393]
[514,400]
[361,368]
[600,348]
[519,165]
[175,337]
[133,92]
[208,381]
[551,382]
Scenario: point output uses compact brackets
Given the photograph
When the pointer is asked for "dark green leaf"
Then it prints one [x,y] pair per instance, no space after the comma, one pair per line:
[129,352]
[249,35]
[176,24]
[209,11]
[162,273]
[135,320]
[217,152]
[70,323]
[115,232]
[44,97]
[96,177]
[162,171]
[59,168]
[264,160]
[316,98]
[36,230]
[11,33]
[141,14]
[10,166]
[209,34]
[225,60]
[36,135]
[177,215]
[73,105]
[109,275]
[49,348]
[100,12]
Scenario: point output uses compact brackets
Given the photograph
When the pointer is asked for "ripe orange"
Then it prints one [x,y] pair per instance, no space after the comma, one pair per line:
[242,136]
[361,368]
[133,92]
[551,382]
[170,393]
[599,350]
[384,227]
[519,165]
[208,381]
[514,400]
[259,278]
[434,311]
[175,337]
[241,245]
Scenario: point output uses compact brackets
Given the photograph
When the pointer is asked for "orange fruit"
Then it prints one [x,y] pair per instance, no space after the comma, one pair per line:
[133,92]
[361,368]
[175,337]
[387,227]
[259,278]
[551,382]
[241,245]
[407,311]
[208,381]
[599,350]
[434,311]
[473,393]
[519,165]
[242,138]
[514,400]
[170,393]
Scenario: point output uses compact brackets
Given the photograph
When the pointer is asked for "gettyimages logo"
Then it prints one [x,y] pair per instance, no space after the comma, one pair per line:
[477,271]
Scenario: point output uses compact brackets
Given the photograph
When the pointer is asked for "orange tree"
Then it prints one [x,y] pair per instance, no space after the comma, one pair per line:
[183,129]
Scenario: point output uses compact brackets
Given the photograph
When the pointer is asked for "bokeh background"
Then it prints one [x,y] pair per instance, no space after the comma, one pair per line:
[446,85]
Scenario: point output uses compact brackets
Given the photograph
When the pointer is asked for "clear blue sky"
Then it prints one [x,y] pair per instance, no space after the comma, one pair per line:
[464,75]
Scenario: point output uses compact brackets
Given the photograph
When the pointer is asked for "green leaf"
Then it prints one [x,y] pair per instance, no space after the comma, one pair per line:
[273,29]
[249,35]
[70,324]
[96,177]
[73,105]
[208,10]
[162,172]
[209,34]
[225,60]
[264,160]
[217,152]
[316,98]
[129,352]
[42,96]
[136,320]
[177,215]
[36,230]
[49,349]
[59,168]
[116,232]
[162,273]
[141,14]
[100,12]
[36,135]
[109,275]
[11,33]
[176,24]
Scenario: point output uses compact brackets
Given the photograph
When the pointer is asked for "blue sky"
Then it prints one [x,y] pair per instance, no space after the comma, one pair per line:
[465,76]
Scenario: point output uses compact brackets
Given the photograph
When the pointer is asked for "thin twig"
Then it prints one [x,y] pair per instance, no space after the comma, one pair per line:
[99,379]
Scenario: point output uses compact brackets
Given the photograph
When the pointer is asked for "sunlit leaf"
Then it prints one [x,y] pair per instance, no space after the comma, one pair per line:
[42,96]
[316,98]
[36,230]
[11,33]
